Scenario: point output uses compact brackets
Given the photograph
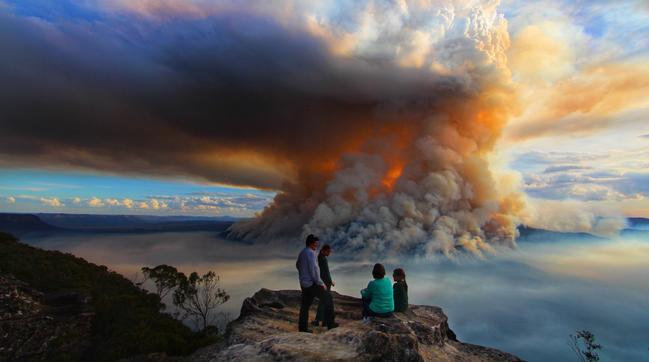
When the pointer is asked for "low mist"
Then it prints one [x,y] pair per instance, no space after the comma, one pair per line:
[525,300]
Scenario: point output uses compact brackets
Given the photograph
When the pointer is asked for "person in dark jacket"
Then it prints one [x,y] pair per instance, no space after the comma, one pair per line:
[400,289]
[325,275]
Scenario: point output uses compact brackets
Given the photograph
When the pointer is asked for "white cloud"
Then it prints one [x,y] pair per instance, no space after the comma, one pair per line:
[112,202]
[95,202]
[619,170]
[579,68]
[595,192]
[209,204]
[207,208]
[51,201]
[156,204]
[128,203]
[595,170]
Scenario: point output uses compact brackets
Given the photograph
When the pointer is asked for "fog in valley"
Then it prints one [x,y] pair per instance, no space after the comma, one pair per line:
[525,301]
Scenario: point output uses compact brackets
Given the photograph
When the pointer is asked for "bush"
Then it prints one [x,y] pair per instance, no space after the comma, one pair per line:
[128,320]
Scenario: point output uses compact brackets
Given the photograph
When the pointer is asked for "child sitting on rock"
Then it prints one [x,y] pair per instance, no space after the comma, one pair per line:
[400,290]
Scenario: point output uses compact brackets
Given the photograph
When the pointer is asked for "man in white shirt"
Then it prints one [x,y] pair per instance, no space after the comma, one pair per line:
[312,286]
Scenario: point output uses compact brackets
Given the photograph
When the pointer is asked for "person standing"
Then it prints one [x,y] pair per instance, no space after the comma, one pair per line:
[312,286]
[325,275]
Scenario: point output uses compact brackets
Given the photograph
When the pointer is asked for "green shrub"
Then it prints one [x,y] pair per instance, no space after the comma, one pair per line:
[128,321]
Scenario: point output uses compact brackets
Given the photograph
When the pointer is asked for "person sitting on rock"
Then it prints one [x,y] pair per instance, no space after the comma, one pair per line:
[312,286]
[325,275]
[400,290]
[378,297]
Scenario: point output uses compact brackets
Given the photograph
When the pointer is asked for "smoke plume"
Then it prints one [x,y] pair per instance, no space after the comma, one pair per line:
[415,178]
[373,119]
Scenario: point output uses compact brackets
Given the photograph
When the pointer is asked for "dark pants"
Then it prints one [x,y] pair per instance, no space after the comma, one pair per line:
[316,291]
[321,307]
[368,312]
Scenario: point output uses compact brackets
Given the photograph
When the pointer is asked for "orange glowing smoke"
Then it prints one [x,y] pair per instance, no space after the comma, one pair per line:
[392,175]
[408,175]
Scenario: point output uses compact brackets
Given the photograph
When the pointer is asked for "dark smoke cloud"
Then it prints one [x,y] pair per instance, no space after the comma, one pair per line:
[367,147]
[226,99]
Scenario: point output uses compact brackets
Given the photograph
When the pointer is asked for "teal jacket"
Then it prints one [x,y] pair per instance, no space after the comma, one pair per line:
[380,292]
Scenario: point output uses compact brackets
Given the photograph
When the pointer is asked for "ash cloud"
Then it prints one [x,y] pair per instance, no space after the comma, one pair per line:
[200,98]
[372,149]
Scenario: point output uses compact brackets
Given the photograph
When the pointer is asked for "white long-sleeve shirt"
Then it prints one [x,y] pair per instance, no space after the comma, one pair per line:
[308,269]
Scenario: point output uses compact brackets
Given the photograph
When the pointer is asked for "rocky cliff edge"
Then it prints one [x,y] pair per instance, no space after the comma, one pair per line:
[266,330]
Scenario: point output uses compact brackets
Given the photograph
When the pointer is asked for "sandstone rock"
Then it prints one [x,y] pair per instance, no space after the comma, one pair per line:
[266,330]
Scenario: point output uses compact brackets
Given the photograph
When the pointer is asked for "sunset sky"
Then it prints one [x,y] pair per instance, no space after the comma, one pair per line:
[119,107]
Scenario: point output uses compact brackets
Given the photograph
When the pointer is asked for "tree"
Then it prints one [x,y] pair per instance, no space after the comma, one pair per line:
[584,346]
[199,296]
[165,277]
[138,279]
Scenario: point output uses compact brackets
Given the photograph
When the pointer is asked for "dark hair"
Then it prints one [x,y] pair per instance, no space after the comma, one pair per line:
[400,273]
[379,271]
[325,247]
[311,239]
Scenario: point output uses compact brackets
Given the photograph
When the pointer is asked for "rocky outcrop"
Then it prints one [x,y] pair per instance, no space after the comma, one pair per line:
[37,326]
[266,330]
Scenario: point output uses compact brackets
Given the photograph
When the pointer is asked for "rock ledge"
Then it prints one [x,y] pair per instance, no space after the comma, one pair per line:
[266,330]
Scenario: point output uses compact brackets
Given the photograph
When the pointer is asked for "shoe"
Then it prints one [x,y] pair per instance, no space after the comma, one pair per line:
[333,325]
[366,320]
[307,331]
[315,323]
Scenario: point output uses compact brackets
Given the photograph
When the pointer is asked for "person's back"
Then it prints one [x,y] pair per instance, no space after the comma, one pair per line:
[307,268]
[381,294]
[400,290]
[400,296]
[323,264]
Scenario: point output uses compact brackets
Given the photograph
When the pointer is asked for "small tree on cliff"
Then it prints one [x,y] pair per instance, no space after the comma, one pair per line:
[199,296]
[165,277]
[584,346]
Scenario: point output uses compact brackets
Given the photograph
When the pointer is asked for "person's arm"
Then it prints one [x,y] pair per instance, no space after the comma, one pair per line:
[367,292]
[300,261]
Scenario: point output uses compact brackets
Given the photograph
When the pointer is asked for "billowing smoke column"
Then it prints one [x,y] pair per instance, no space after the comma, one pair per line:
[415,179]
[425,187]
[374,119]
